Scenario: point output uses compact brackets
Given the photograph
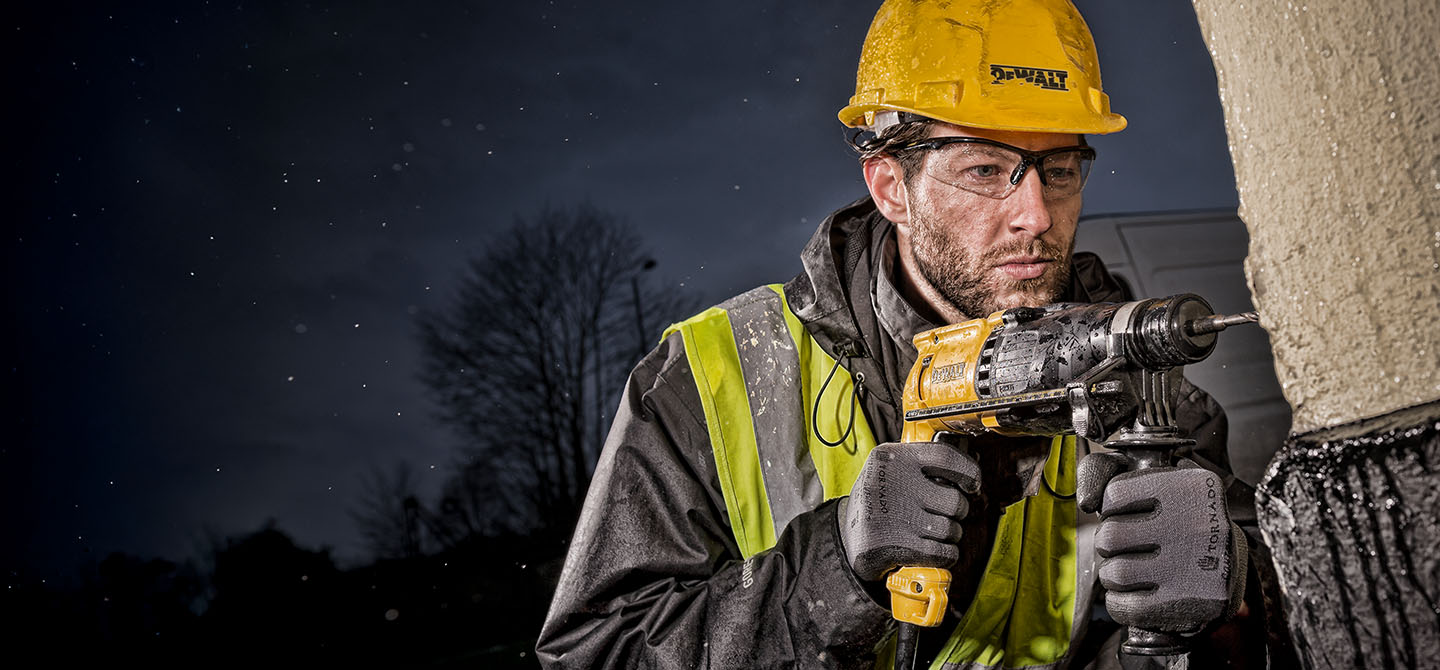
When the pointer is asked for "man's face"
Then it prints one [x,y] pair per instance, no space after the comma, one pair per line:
[982,254]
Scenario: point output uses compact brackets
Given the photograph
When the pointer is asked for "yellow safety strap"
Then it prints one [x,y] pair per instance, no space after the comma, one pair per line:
[838,467]
[724,397]
[715,364]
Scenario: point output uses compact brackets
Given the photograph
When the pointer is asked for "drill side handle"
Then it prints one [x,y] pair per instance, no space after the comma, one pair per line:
[1140,641]
[1148,446]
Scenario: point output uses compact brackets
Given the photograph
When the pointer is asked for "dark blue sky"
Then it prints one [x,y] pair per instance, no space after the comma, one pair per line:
[229,214]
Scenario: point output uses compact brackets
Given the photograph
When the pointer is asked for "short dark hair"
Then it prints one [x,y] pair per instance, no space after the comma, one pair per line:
[891,139]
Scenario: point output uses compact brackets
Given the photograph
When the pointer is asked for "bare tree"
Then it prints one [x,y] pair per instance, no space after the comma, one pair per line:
[396,524]
[388,513]
[528,362]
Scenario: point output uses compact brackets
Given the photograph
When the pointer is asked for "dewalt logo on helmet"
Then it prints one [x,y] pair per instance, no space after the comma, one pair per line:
[1039,76]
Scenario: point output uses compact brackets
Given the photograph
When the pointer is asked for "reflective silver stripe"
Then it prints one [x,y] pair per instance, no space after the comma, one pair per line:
[771,365]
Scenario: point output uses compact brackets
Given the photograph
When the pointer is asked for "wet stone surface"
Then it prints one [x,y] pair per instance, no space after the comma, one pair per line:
[1353,518]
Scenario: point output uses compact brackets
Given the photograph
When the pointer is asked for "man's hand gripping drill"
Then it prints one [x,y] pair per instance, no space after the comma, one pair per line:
[906,509]
[1106,372]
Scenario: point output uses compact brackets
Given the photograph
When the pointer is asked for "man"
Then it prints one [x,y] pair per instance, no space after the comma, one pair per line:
[752,495]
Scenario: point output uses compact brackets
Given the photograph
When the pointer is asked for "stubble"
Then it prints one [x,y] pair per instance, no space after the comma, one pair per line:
[968,280]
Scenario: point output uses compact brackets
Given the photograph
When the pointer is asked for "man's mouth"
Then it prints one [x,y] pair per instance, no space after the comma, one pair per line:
[1024,267]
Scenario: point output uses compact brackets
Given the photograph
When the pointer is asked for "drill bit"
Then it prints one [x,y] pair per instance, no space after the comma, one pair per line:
[1219,322]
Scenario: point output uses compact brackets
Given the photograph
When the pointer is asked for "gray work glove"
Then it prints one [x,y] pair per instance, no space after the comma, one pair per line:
[905,508]
[1171,558]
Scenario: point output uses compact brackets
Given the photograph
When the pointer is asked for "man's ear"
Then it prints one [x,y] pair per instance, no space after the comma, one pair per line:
[886,182]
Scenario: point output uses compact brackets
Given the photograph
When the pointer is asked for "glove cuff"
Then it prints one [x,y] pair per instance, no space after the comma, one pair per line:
[1240,570]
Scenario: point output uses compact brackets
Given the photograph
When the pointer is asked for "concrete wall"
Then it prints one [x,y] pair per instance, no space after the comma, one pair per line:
[1331,109]
[1333,113]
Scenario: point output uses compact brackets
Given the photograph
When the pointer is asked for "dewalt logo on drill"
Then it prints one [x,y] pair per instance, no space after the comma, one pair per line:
[947,373]
[1053,80]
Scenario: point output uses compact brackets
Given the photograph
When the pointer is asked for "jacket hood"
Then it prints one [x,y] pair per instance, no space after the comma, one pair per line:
[834,297]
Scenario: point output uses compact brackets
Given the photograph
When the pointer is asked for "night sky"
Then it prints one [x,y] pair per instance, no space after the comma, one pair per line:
[229,215]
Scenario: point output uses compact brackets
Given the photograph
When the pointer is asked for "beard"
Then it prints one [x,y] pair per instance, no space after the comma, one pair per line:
[968,280]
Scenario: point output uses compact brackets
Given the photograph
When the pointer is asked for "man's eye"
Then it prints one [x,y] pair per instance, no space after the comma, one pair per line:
[983,171]
[1059,175]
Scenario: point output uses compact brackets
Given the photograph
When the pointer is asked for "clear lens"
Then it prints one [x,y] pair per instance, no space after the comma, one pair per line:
[1064,173]
[994,171]
[977,168]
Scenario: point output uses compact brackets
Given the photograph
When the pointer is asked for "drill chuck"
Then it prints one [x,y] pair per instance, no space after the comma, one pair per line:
[1159,336]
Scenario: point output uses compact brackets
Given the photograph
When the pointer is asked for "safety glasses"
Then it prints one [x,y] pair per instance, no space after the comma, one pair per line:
[993,169]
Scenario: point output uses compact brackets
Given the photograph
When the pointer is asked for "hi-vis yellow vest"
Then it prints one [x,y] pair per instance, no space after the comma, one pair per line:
[760,376]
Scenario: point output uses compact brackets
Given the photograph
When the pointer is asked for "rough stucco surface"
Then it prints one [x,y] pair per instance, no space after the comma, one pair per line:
[1331,108]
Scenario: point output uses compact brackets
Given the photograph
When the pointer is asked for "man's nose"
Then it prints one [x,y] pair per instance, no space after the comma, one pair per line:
[1031,213]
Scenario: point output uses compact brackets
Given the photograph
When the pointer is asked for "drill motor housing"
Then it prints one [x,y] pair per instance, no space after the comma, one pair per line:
[1063,368]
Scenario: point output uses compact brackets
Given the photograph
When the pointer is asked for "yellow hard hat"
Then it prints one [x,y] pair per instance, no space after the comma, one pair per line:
[1026,65]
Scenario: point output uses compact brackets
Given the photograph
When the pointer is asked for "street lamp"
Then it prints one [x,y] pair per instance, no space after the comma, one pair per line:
[646,265]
